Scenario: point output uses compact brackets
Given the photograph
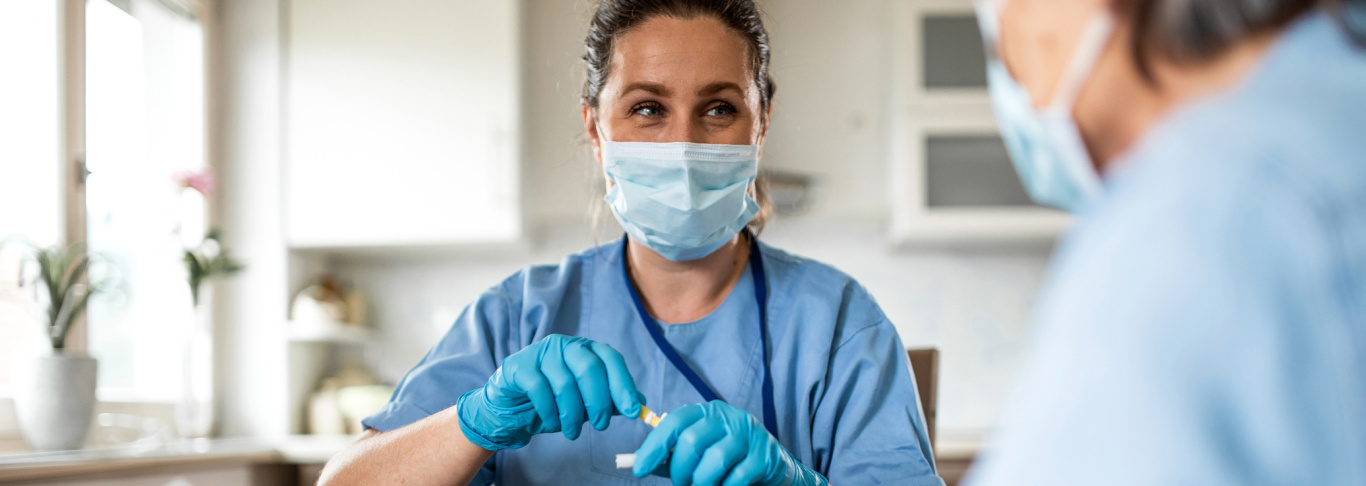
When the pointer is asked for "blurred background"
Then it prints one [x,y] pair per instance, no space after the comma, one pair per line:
[339,178]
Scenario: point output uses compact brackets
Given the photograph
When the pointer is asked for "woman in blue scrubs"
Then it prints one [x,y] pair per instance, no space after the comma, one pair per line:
[774,369]
[1205,320]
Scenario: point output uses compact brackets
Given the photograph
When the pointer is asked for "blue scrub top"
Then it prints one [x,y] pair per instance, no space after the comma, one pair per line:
[846,401]
[1206,323]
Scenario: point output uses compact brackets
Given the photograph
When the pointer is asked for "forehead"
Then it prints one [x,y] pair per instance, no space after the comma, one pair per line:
[681,52]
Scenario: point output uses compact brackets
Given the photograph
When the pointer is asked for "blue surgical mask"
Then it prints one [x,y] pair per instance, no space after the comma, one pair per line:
[1045,146]
[682,200]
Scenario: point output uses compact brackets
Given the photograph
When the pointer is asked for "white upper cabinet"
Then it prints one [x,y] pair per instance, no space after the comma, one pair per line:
[402,122]
[952,181]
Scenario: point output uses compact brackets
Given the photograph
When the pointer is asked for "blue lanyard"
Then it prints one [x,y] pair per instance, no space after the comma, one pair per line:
[756,265]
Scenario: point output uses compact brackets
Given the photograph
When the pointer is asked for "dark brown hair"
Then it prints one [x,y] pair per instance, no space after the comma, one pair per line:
[1186,31]
[612,18]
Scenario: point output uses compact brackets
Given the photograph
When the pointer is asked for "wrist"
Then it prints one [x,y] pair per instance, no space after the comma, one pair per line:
[462,453]
[465,409]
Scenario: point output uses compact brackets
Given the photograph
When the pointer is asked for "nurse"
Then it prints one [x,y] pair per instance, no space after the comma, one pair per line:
[1205,320]
[774,369]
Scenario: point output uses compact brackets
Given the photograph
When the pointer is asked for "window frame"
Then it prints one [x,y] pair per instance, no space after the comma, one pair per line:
[71,29]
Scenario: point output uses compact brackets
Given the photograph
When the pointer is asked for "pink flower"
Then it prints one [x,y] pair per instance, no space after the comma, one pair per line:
[200,181]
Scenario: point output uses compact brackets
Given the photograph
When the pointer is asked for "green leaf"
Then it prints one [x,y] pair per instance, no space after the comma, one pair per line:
[225,265]
[196,273]
[71,307]
[70,317]
[201,268]
[74,274]
[45,275]
[62,271]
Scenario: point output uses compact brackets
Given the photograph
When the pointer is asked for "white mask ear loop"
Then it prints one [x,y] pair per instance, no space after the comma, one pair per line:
[1089,47]
[602,142]
[989,21]
[597,125]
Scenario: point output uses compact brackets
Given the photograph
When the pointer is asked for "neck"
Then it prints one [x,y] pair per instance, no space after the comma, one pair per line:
[1118,106]
[679,292]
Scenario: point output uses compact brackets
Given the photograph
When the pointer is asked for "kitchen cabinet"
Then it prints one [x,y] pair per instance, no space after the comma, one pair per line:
[402,123]
[952,181]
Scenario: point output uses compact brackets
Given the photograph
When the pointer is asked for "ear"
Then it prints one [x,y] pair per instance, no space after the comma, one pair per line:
[590,127]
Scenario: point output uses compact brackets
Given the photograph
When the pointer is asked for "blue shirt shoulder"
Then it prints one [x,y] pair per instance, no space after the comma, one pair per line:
[1206,323]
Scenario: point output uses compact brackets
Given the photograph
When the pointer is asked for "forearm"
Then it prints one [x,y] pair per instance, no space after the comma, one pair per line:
[430,451]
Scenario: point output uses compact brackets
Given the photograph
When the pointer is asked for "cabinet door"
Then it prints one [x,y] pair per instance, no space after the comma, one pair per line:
[402,122]
[952,181]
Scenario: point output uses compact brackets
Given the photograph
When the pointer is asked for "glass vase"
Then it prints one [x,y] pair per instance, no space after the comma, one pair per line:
[194,414]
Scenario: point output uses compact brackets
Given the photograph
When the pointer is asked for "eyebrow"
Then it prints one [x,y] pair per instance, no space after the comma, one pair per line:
[652,88]
[661,91]
[715,88]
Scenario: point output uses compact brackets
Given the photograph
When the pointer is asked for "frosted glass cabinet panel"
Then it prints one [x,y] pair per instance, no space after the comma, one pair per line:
[402,122]
[952,182]
[952,52]
[971,171]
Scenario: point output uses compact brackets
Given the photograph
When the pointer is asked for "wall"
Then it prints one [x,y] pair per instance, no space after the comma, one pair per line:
[558,177]
[829,63]
[830,69]
[245,92]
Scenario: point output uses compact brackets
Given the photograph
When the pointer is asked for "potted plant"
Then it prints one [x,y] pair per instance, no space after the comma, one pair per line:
[55,391]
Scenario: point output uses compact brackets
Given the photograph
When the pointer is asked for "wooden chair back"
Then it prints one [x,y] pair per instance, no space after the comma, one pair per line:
[925,367]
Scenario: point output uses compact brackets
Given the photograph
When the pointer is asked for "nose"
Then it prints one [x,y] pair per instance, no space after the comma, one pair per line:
[682,129]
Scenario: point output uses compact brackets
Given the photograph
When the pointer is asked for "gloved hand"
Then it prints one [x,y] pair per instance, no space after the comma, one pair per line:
[554,385]
[716,443]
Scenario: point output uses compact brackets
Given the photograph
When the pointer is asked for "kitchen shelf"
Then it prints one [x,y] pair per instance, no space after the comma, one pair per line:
[329,332]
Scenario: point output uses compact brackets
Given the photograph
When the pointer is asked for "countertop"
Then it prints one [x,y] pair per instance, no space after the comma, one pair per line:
[302,449]
[954,455]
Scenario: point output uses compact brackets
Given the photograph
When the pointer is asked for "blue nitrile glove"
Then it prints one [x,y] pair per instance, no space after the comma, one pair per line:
[554,385]
[716,443]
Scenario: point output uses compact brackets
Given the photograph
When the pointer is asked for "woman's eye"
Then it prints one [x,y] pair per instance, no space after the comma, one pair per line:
[647,110]
[721,110]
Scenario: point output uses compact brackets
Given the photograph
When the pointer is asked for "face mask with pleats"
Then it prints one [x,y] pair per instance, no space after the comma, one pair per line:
[1046,147]
[682,200]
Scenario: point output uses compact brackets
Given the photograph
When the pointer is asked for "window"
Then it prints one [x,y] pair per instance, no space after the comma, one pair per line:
[144,123]
[30,155]
[144,115]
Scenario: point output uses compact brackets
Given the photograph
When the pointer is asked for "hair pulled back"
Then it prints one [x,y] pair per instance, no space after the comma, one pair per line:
[612,18]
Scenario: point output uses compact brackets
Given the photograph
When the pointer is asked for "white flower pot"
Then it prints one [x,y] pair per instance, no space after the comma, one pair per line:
[54,400]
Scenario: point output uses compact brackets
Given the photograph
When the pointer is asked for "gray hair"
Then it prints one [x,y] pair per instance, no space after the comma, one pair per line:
[1187,31]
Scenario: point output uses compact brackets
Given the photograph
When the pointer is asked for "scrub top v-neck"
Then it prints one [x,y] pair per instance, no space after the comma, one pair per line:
[754,269]
[834,357]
